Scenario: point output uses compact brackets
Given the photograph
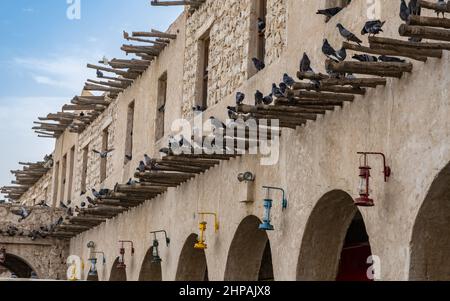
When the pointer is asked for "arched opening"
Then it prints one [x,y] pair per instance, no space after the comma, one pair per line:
[17,267]
[192,264]
[430,241]
[150,271]
[335,244]
[117,274]
[250,256]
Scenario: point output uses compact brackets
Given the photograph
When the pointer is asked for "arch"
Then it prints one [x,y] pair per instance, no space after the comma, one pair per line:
[430,240]
[150,271]
[19,266]
[333,228]
[192,265]
[116,273]
[249,256]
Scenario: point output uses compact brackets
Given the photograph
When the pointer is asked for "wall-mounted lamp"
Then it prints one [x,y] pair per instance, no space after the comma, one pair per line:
[246,177]
[364,199]
[201,245]
[266,225]
[155,252]
[121,264]
[2,255]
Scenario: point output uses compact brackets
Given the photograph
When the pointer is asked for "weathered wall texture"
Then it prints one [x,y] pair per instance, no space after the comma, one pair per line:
[41,191]
[229,24]
[408,120]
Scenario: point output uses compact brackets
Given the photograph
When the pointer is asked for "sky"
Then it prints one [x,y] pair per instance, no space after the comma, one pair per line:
[44,48]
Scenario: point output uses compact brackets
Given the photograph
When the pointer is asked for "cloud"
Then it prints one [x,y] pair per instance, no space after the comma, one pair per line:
[28,10]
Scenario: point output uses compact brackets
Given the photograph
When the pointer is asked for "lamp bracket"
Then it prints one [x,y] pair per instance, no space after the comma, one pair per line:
[216,220]
[386,169]
[284,200]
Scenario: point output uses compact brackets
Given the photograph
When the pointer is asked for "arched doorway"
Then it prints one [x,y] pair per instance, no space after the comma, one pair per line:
[430,241]
[335,244]
[116,273]
[150,271]
[192,264]
[14,265]
[250,256]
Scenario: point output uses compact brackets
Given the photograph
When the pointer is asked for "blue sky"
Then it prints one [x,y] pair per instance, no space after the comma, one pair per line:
[43,55]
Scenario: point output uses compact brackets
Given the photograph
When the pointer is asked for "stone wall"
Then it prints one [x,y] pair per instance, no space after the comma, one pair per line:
[229,24]
[41,191]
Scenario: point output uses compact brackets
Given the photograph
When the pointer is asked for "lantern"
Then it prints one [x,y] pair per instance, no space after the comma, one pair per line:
[201,245]
[266,225]
[93,269]
[364,199]
[155,250]
[121,263]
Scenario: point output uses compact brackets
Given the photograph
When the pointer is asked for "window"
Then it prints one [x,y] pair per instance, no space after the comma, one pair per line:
[204,47]
[84,168]
[104,161]
[257,45]
[56,184]
[129,133]
[71,166]
[161,106]
[63,178]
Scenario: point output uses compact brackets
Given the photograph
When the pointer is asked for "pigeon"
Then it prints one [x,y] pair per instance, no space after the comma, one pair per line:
[283,88]
[442,6]
[258,97]
[99,74]
[341,54]
[289,81]
[165,151]
[329,51]
[240,97]
[393,59]
[261,25]
[349,36]
[95,193]
[103,154]
[128,157]
[90,200]
[62,205]
[22,212]
[132,182]
[276,91]
[2,202]
[104,192]
[198,109]
[373,27]
[259,65]
[82,193]
[414,8]
[43,204]
[232,114]
[365,58]
[329,12]
[148,161]
[267,100]
[305,64]
[82,204]
[141,167]
[404,11]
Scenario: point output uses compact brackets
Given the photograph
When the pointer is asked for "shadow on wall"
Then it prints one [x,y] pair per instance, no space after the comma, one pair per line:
[150,271]
[192,264]
[335,245]
[430,241]
[117,274]
[250,256]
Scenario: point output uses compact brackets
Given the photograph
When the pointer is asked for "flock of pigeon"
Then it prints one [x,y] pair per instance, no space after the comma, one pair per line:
[41,232]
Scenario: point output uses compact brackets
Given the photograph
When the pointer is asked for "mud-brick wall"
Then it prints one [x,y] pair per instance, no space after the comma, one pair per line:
[41,191]
[228,23]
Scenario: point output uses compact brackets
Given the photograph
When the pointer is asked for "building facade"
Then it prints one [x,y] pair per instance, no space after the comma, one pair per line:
[321,232]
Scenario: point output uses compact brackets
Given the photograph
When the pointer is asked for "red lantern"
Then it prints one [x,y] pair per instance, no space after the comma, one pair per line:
[364,199]
[121,263]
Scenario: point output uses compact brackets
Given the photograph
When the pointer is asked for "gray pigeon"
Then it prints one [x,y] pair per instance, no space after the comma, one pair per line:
[289,81]
[392,59]
[258,97]
[349,36]
[404,11]
[240,97]
[373,27]
[259,65]
[442,5]
[365,58]
[341,54]
[328,51]
[305,64]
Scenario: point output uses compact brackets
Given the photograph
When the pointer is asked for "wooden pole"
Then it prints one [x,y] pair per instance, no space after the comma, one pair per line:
[424,32]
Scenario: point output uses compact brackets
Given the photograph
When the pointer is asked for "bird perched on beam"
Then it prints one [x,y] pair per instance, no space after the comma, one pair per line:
[349,36]
[329,51]
[99,74]
[373,27]
[103,154]
[391,59]
[240,97]
[22,212]
[258,98]
[259,65]
[289,81]
[276,91]
[365,58]
[329,12]
[404,11]
[305,64]
[261,25]
[442,5]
